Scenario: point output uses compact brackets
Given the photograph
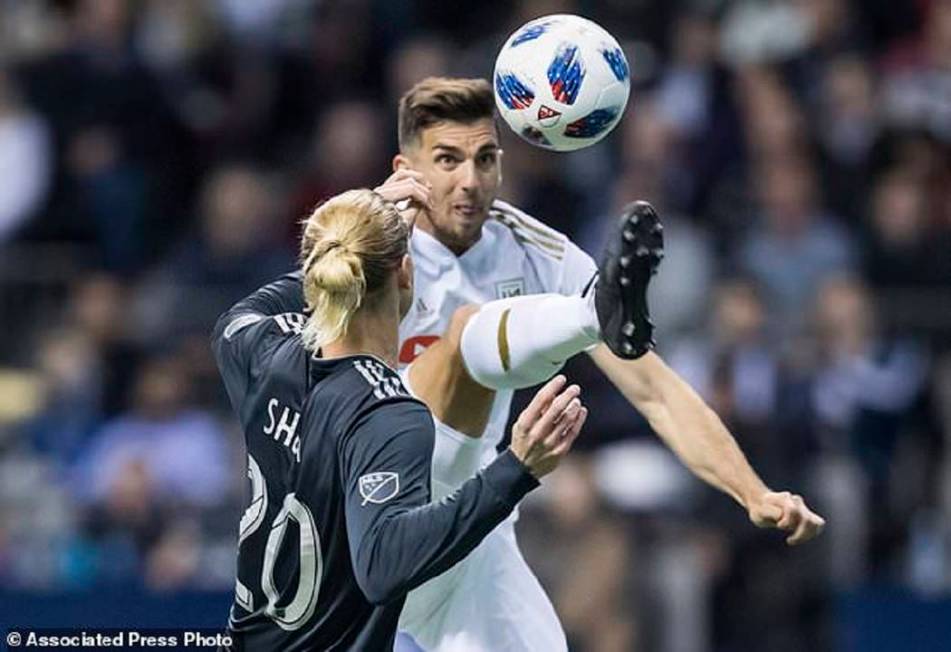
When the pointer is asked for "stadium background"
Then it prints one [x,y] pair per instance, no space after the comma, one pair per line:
[155,157]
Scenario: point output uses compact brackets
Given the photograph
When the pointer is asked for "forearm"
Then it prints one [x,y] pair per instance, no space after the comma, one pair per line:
[685,423]
[400,550]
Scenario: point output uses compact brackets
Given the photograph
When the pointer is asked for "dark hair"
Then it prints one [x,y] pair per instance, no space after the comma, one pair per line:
[438,99]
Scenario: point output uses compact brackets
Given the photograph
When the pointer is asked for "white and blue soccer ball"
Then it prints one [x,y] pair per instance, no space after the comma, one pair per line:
[561,82]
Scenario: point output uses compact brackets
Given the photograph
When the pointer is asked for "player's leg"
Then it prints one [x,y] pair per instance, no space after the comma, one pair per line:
[460,406]
[406,643]
[439,378]
[495,603]
[523,341]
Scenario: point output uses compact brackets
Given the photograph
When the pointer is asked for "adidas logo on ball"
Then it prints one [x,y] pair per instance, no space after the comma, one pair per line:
[548,117]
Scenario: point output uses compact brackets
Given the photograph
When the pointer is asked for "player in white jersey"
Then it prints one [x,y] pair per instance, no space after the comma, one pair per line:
[501,302]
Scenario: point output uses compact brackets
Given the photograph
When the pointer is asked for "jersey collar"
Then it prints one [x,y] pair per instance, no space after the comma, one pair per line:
[433,257]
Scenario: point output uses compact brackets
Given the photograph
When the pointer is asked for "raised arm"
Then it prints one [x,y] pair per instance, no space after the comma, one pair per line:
[272,310]
[283,295]
[398,539]
[698,437]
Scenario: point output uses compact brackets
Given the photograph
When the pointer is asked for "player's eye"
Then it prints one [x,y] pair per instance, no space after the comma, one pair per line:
[446,160]
[487,159]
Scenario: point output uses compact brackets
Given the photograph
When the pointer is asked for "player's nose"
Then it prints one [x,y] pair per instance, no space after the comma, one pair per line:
[469,179]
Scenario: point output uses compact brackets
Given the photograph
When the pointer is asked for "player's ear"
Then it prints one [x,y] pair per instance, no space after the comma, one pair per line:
[404,275]
[400,162]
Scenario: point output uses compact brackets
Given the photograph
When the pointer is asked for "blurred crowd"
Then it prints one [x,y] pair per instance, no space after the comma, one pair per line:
[157,156]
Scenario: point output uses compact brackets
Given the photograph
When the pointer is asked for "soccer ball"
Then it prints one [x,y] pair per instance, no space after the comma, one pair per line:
[561,82]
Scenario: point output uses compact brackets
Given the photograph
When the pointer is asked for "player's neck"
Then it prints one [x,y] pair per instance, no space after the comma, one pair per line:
[370,332]
[425,224]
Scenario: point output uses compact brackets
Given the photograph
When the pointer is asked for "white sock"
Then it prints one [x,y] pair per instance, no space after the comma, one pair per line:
[456,457]
[522,341]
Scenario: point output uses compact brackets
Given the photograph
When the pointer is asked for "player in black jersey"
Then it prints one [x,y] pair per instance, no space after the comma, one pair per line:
[340,525]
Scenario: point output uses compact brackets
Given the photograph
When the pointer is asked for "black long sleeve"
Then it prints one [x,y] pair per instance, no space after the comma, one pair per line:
[282,296]
[398,539]
[241,333]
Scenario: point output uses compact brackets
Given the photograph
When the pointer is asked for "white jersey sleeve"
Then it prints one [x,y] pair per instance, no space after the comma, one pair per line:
[577,270]
[564,268]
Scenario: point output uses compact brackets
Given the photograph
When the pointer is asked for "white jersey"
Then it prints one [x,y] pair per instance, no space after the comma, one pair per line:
[516,255]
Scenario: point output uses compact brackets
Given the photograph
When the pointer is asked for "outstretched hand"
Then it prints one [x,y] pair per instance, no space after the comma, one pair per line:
[788,512]
[546,429]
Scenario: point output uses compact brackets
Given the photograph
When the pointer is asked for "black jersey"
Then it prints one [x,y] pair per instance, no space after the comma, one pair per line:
[339,526]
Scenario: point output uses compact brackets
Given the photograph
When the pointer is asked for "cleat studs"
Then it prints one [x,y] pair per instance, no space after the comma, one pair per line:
[625,281]
[628,235]
[627,348]
[642,251]
[634,219]
[628,329]
[624,261]
[658,253]
[657,228]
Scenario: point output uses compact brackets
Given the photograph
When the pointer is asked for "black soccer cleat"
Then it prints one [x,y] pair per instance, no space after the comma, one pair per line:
[620,297]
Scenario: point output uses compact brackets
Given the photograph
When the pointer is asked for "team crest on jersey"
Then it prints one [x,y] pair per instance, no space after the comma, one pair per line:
[377,488]
[511,288]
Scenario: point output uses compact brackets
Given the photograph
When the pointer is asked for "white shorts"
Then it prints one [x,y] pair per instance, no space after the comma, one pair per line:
[488,602]
[491,603]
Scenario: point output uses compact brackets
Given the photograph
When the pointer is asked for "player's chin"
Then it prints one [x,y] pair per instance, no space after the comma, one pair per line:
[467,215]
[468,224]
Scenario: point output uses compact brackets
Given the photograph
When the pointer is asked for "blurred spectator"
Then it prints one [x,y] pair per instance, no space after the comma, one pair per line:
[755,32]
[70,373]
[347,151]
[96,311]
[172,34]
[736,369]
[917,87]
[417,58]
[861,372]
[864,393]
[257,20]
[115,139]
[796,244]
[112,190]
[696,108]
[774,124]
[162,442]
[589,577]
[784,143]
[25,159]
[174,561]
[236,249]
[847,128]
[900,251]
